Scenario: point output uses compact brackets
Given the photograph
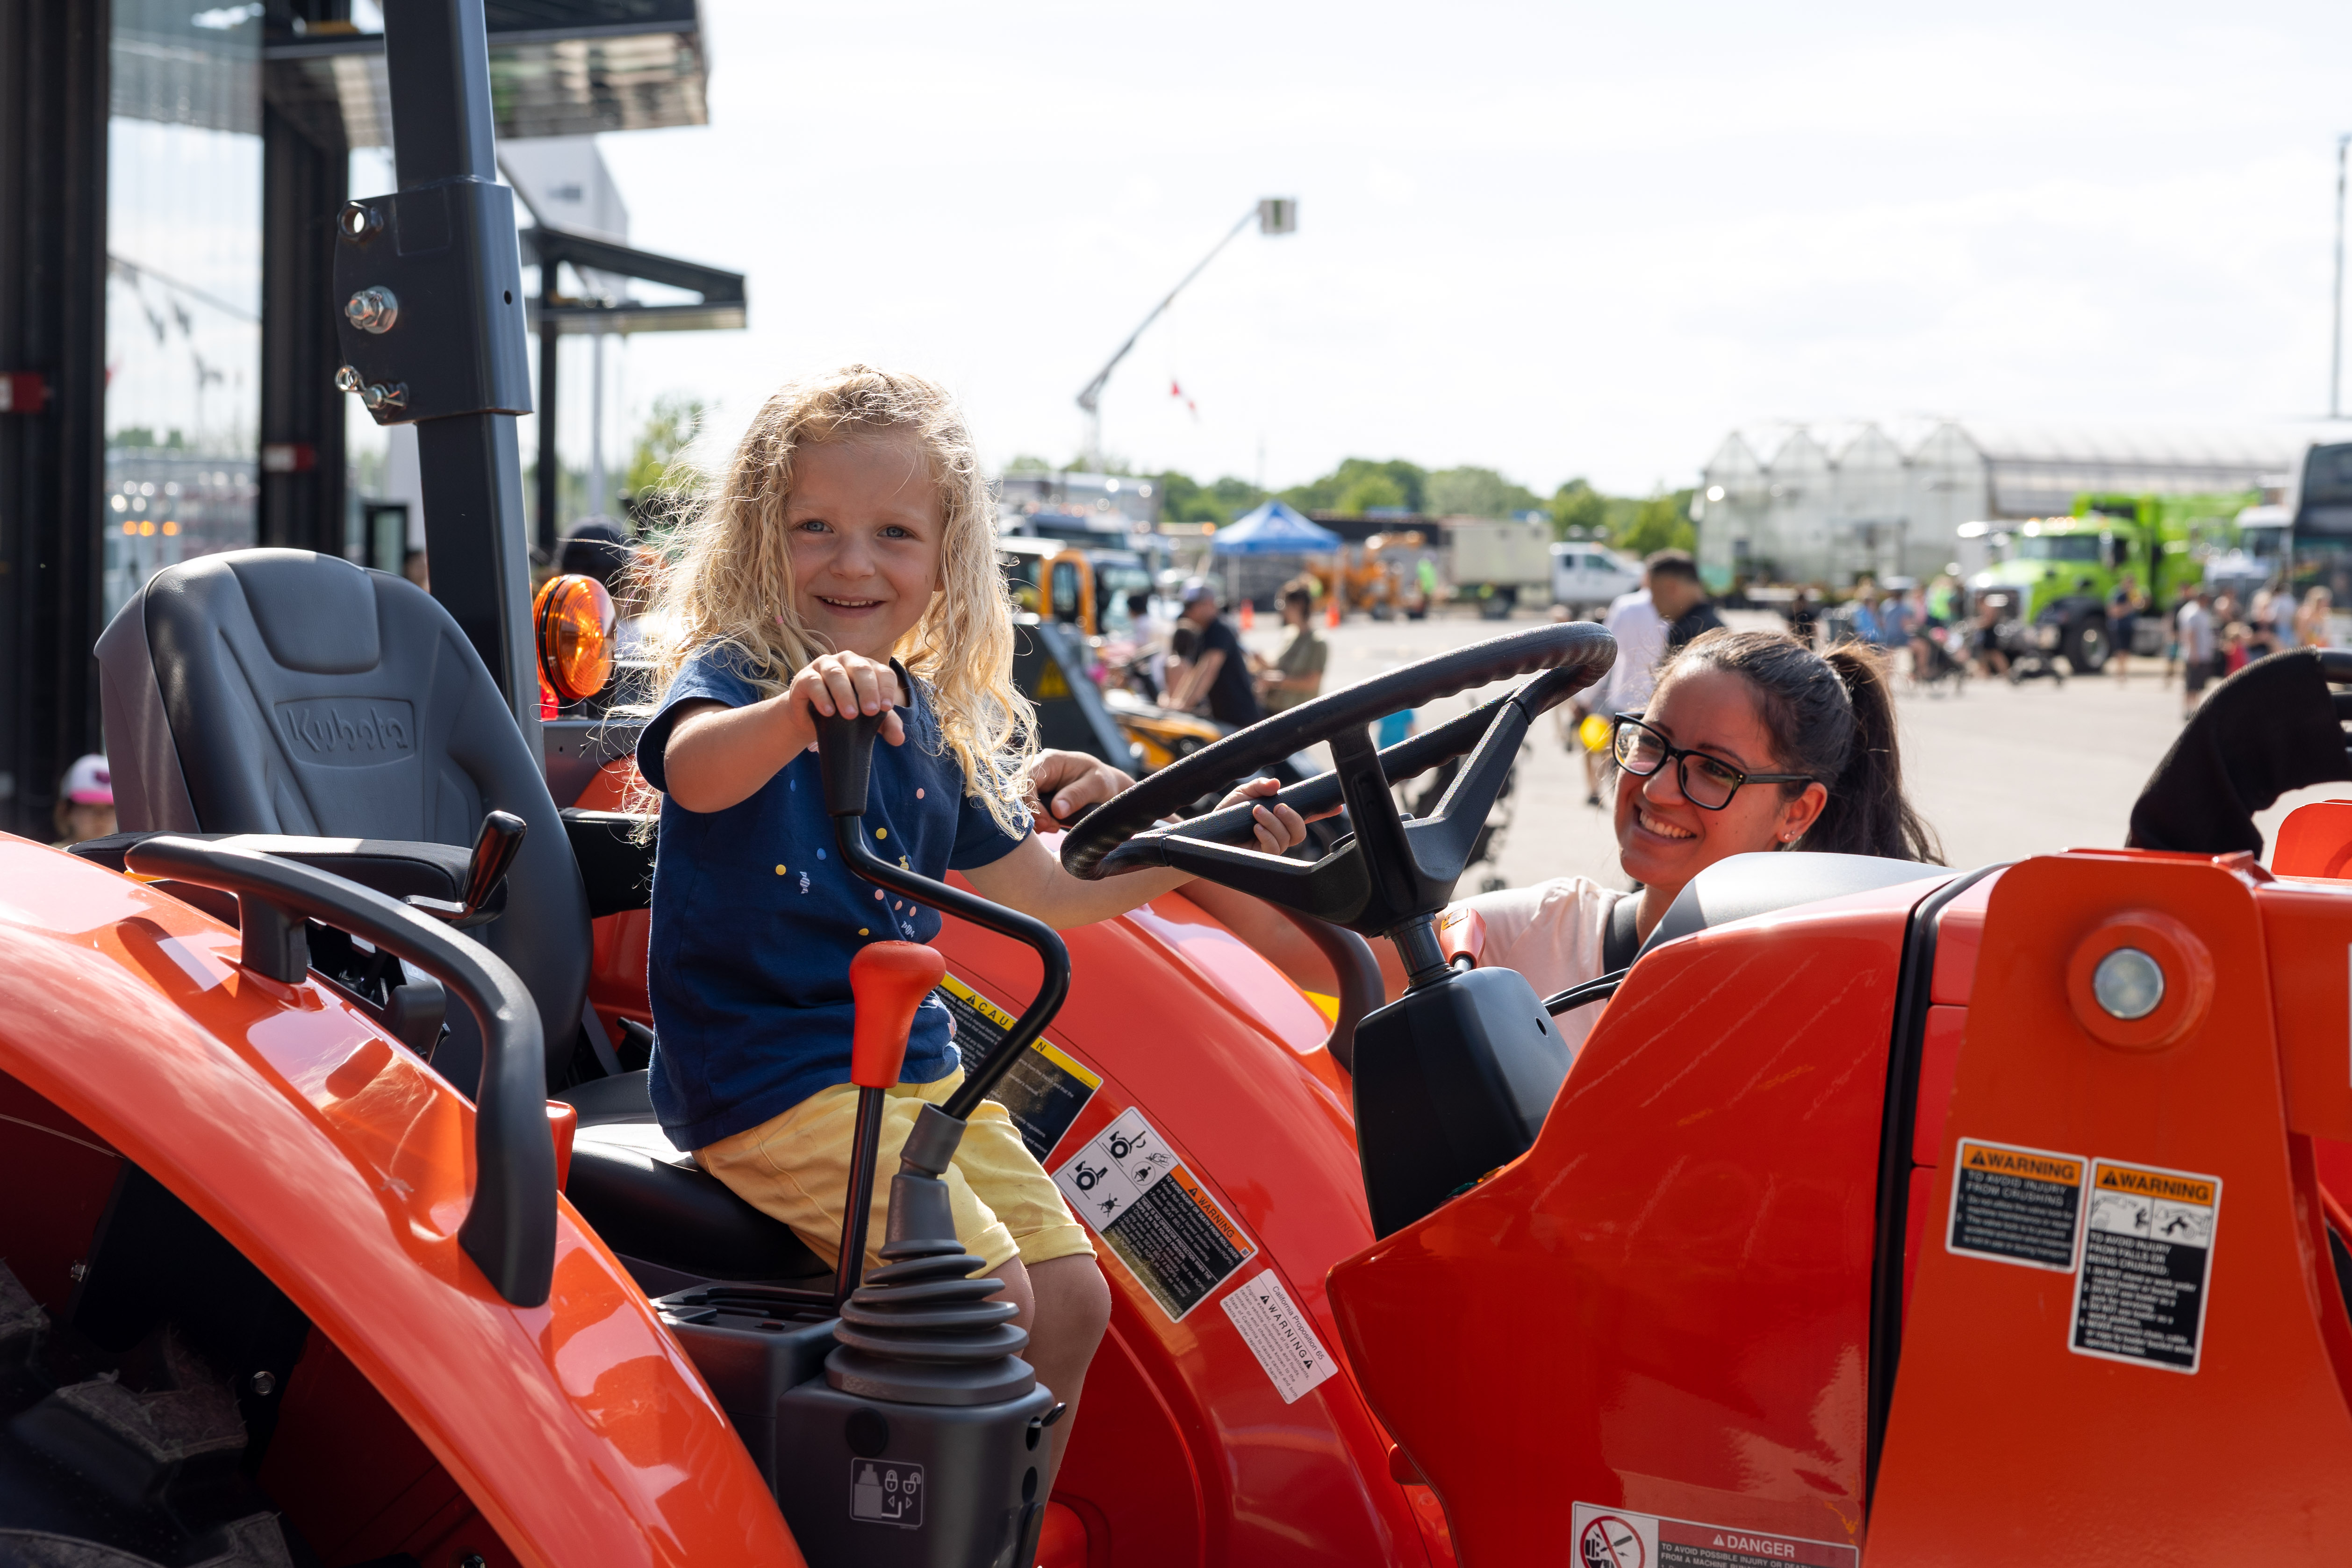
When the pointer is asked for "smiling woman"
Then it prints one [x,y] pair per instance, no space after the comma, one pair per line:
[1752,742]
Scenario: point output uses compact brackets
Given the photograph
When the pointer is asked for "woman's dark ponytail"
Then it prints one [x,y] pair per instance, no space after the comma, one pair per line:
[1867,813]
[1831,716]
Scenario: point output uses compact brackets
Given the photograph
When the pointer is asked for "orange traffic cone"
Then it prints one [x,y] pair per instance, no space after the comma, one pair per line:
[1331,613]
[1249,616]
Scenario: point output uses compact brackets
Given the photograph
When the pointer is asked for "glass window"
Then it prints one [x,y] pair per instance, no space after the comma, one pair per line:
[2058,547]
[183,285]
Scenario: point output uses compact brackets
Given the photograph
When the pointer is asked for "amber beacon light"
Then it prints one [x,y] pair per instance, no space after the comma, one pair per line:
[573,618]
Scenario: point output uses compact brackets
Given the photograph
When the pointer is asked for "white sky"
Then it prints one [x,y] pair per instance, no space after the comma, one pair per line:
[1552,239]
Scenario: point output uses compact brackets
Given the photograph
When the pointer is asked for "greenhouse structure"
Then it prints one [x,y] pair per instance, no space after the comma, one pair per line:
[1830,504]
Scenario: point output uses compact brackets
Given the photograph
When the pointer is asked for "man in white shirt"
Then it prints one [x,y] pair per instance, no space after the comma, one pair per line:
[1641,633]
[2197,650]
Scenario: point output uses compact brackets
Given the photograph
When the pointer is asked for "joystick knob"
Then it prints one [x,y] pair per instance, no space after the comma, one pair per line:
[890,980]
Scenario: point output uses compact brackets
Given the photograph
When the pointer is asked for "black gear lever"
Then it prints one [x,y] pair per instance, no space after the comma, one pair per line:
[845,757]
[495,848]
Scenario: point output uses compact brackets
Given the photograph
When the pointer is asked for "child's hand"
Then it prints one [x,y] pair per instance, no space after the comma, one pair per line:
[1278,826]
[847,686]
[1064,783]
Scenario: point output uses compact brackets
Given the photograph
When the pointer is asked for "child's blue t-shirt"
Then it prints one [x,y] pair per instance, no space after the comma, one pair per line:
[755,919]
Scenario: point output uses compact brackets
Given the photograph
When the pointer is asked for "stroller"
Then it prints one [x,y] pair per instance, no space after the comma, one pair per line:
[2029,651]
[1940,657]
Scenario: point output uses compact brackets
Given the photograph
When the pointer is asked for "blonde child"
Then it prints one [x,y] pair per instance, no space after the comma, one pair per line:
[854,523]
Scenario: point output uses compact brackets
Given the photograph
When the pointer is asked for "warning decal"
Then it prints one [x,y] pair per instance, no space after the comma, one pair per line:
[2015,1205]
[2147,1254]
[1616,1538]
[1175,1238]
[1043,1091]
[1280,1335]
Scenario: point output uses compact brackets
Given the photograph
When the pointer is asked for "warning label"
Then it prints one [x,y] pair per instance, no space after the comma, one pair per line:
[1175,1238]
[1043,1091]
[2147,1255]
[1280,1335]
[1615,1538]
[2015,1205]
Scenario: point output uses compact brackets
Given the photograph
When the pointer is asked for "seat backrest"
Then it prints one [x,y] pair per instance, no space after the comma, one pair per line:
[1738,886]
[278,691]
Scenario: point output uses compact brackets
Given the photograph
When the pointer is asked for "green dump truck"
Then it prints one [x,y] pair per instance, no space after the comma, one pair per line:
[2065,569]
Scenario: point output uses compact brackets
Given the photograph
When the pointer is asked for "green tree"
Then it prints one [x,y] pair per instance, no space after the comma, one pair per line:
[1236,495]
[676,419]
[1577,505]
[1476,493]
[1324,495]
[1661,522]
[1028,463]
[1371,492]
[1183,499]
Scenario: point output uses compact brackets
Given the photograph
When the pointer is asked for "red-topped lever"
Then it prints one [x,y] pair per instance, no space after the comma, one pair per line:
[890,980]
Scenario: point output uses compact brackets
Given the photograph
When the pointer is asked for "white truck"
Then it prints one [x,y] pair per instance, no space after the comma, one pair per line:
[1495,563]
[1586,577]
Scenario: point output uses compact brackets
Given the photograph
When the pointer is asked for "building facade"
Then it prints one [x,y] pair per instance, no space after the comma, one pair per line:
[170,172]
[1828,504]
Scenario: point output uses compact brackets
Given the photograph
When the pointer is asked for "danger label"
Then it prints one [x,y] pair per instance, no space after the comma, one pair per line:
[2015,1205]
[2147,1254]
[1279,1335]
[1042,1091]
[1618,1538]
[1158,1220]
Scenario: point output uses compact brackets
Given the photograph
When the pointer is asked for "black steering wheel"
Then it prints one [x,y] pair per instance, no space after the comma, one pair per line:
[1391,874]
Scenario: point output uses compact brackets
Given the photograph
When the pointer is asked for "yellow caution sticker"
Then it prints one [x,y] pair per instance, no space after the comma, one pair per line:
[2015,1205]
[1043,1092]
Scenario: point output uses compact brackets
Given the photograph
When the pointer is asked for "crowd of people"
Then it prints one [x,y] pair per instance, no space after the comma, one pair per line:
[1943,628]
[1199,665]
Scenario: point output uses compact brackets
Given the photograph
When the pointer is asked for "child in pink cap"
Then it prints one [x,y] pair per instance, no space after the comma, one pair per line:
[85,801]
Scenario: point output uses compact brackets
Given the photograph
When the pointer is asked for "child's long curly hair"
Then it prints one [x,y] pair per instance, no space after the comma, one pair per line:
[727,576]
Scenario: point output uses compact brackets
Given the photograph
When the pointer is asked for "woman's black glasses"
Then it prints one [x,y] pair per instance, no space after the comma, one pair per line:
[1709,782]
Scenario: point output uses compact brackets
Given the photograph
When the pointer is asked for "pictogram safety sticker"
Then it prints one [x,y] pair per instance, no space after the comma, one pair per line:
[1156,1218]
[2147,1256]
[1620,1538]
[2015,1205]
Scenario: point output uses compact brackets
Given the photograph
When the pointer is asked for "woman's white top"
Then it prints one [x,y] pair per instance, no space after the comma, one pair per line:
[1550,933]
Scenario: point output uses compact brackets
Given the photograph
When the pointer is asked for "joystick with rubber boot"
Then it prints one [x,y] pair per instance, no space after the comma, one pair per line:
[922,1443]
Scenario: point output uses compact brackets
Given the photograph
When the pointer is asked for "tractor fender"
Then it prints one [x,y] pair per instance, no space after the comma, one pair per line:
[1223,1059]
[337,1164]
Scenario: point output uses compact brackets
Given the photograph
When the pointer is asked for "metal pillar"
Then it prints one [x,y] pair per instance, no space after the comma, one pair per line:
[53,109]
[302,450]
[550,478]
[437,60]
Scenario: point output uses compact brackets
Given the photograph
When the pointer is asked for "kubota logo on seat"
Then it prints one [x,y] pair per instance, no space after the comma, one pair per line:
[349,733]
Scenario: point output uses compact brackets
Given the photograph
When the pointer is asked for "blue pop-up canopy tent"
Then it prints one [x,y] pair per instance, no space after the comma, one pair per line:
[1274,529]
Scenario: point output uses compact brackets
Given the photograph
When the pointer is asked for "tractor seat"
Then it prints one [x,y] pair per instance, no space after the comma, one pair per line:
[673,1225]
[278,691]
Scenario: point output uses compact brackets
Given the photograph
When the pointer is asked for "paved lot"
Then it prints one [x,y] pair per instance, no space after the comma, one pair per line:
[2000,771]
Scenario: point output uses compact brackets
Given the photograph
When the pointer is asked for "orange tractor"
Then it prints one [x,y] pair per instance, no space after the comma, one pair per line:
[1879,1214]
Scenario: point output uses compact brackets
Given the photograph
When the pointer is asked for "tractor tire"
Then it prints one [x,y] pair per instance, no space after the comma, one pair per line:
[2087,646]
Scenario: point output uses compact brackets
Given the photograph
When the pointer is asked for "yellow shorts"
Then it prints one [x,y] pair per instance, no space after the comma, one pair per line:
[795,1167]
